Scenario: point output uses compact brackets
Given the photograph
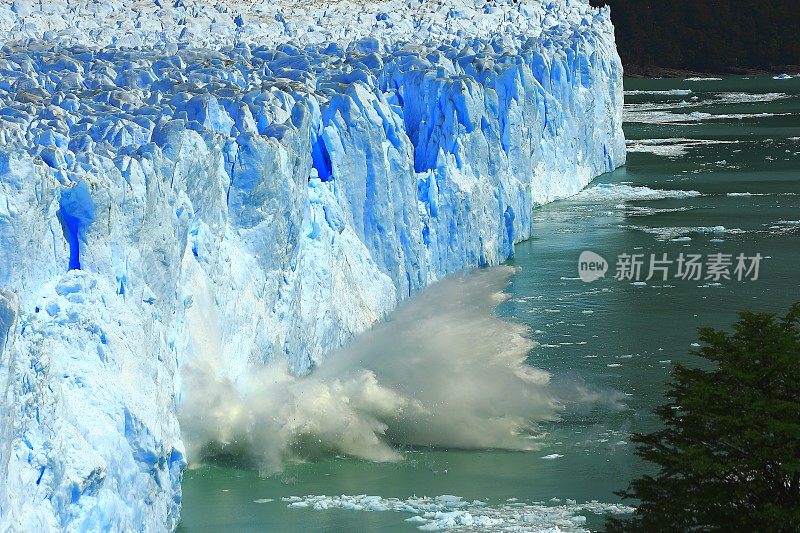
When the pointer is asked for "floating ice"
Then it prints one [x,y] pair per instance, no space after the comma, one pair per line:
[672,150]
[671,92]
[452,513]
[672,147]
[646,111]
[748,98]
[679,234]
[609,192]
[641,211]
[668,117]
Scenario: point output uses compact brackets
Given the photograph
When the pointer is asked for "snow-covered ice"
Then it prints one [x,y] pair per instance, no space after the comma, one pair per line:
[242,182]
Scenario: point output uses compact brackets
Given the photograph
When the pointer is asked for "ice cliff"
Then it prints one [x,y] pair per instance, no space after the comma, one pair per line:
[239,182]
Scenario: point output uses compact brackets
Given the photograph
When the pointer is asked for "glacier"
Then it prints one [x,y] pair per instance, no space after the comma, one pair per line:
[243,182]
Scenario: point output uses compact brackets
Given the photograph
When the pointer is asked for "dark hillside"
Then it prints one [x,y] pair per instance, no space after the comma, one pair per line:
[706,35]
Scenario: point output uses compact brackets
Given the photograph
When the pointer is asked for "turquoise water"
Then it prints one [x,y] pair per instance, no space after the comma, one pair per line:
[618,339]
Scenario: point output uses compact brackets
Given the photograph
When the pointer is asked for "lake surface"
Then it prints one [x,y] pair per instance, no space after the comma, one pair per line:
[731,148]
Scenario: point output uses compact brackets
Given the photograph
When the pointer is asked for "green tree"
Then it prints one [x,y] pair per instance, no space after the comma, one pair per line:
[728,456]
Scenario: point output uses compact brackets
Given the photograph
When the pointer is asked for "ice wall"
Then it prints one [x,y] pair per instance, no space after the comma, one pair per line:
[187,183]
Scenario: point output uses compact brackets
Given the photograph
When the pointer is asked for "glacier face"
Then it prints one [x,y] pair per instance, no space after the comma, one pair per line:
[237,183]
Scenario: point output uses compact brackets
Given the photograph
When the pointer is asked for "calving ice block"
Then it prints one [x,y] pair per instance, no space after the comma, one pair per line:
[228,184]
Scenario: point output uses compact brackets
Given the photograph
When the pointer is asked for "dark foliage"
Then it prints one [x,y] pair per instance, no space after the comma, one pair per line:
[728,457]
[706,35]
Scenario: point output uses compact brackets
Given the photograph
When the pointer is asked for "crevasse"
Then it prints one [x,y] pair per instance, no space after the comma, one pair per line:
[241,182]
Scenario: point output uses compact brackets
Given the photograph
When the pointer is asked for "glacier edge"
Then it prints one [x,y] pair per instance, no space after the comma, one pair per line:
[219,184]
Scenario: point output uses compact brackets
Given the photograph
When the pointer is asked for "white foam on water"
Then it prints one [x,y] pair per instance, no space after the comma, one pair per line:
[744,116]
[673,148]
[609,192]
[668,112]
[453,513]
[680,233]
[784,227]
[761,194]
[748,98]
[639,211]
[632,108]
[667,117]
[729,98]
[671,92]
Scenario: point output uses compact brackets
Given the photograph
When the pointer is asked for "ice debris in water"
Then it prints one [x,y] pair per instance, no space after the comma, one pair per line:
[679,234]
[610,192]
[456,514]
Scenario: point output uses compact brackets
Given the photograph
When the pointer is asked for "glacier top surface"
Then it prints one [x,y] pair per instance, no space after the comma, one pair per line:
[94,78]
[160,23]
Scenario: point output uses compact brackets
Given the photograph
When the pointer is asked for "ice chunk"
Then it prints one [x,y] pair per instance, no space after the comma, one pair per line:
[430,514]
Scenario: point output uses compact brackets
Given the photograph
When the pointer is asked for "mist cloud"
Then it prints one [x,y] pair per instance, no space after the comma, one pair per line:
[444,370]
